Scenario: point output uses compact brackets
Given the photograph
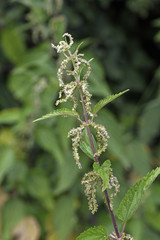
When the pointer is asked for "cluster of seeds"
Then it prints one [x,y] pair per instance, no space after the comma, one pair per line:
[90,182]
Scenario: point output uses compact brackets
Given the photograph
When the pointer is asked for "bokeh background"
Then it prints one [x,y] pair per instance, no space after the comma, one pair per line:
[41,197]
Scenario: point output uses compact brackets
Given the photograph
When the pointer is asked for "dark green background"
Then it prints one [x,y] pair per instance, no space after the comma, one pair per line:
[40,182]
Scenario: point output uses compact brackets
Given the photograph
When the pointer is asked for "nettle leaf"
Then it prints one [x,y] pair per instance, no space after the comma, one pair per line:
[94,233]
[105,101]
[64,112]
[149,179]
[103,171]
[85,145]
[133,197]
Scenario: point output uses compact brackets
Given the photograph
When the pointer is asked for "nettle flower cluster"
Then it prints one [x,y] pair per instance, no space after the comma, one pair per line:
[101,135]
[68,92]
[76,70]
[122,237]
[77,63]
[90,181]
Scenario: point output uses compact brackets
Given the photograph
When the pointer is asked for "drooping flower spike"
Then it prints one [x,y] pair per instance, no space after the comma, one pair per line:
[76,62]
[64,46]
[90,181]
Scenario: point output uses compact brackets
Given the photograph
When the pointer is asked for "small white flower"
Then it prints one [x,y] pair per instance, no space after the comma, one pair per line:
[90,181]
[63,45]
[76,134]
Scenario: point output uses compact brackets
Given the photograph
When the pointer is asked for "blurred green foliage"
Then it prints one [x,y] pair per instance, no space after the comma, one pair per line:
[38,175]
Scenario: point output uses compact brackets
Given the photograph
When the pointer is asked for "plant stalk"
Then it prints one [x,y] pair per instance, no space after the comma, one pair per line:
[96,160]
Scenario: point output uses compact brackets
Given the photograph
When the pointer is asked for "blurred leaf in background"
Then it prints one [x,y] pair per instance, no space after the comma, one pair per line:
[40,184]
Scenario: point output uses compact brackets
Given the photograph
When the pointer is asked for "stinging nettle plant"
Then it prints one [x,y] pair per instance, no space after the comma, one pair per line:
[76,91]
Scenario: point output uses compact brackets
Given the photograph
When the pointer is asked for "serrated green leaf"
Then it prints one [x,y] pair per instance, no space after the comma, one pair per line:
[94,233]
[103,171]
[85,145]
[149,179]
[131,201]
[105,101]
[59,112]
[133,197]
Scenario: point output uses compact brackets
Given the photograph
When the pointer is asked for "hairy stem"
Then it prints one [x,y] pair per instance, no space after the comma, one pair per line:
[96,160]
